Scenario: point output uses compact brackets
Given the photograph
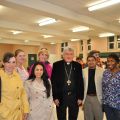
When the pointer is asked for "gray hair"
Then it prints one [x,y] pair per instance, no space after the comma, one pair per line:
[68,49]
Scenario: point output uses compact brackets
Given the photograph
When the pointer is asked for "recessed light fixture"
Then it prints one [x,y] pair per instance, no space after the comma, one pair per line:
[46,21]
[1,6]
[75,39]
[80,28]
[26,41]
[102,4]
[47,36]
[16,32]
[52,43]
[106,34]
[119,20]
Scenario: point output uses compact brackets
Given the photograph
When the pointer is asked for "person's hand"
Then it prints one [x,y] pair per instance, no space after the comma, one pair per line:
[25,116]
[79,102]
[57,102]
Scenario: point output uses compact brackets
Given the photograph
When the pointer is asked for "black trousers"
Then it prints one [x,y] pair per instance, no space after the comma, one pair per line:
[73,108]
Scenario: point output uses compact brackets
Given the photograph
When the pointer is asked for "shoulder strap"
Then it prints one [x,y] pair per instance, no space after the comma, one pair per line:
[0,89]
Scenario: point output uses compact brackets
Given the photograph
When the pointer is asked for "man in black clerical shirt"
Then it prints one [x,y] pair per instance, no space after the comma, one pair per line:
[92,90]
[67,86]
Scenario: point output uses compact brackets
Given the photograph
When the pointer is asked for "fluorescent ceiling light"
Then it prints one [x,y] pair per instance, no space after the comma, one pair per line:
[118,20]
[1,7]
[16,32]
[46,21]
[75,39]
[47,36]
[102,4]
[106,34]
[80,28]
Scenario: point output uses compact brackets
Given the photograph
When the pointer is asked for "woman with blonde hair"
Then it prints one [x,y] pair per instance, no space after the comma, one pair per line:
[20,60]
[43,56]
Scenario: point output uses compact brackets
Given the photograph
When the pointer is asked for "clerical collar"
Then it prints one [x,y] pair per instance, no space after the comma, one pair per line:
[68,63]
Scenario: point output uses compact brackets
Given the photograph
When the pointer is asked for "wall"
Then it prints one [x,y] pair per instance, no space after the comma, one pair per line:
[29,49]
[99,44]
[55,49]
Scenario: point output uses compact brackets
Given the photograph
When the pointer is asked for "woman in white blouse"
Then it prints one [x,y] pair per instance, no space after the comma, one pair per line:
[20,60]
[39,94]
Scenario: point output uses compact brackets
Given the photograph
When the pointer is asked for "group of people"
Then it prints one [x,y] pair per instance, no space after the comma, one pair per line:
[29,95]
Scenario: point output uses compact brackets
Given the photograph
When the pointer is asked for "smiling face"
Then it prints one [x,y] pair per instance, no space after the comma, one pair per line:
[111,63]
[20,58]
[43,56]
[10,65]
[91,61]
[38,71]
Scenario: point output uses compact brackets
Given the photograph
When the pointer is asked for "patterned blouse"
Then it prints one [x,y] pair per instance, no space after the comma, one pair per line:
[23,73]
[111,89]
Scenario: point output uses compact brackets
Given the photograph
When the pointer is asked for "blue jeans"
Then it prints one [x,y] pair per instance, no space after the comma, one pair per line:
[111,113]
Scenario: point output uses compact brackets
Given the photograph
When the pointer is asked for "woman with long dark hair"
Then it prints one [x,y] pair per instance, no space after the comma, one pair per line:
[39,94]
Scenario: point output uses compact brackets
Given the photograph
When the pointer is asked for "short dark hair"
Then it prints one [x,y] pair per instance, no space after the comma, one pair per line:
[115,57]
[93,52]
[7,56]
[89,56]
[78,58]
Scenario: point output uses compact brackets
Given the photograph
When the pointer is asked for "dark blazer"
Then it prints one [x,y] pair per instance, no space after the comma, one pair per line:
[58,78]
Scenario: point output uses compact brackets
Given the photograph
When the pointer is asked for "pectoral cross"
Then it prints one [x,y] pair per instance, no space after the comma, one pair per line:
[68,82]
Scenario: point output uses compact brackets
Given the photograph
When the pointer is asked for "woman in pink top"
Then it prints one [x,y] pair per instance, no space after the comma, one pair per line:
[20,60]
[43,56]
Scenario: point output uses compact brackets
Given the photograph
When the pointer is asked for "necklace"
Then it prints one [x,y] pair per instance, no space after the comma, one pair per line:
[68,75]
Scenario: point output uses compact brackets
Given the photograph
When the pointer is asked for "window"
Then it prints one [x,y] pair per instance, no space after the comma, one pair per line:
[89,47]
[118,41]
[82,48]
[111,46]
[118,45]
[89,44]
[111,42]
[111,39]
[81,45]
[66,44]
[63,45]
[118,37]
[89,41]
[81,42]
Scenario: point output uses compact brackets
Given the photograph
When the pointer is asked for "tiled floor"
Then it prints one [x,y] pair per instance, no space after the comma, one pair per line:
[80,116]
